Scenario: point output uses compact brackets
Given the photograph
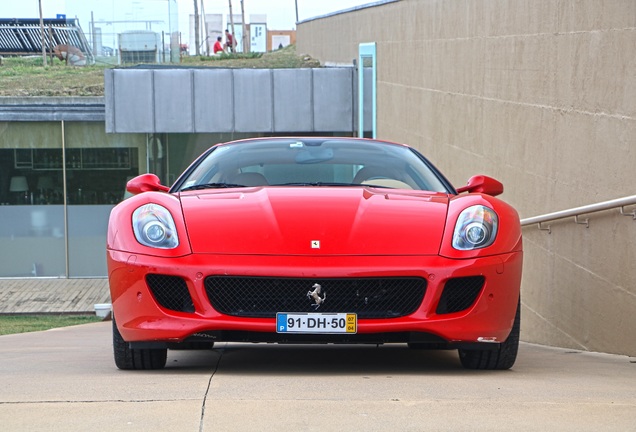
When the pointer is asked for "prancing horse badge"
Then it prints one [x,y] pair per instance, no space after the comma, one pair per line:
[315,295]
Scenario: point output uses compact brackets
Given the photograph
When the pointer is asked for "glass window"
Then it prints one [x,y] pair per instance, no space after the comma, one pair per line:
[314,162]
[33,171]
[31,196]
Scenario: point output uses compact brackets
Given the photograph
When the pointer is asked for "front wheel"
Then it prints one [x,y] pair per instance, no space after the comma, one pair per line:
[501,358]
[138,359]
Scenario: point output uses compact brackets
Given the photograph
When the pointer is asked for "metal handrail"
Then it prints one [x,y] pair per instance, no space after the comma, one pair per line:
[577,211]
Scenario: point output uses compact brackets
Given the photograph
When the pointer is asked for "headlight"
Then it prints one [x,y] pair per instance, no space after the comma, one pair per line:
[154,227]
[476,228]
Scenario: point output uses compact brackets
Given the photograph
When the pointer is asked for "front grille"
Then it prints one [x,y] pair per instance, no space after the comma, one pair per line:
[263,297]
[459,294]
[171,292]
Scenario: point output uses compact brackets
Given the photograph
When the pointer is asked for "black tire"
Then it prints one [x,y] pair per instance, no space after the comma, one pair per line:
[499,359]
[138,359]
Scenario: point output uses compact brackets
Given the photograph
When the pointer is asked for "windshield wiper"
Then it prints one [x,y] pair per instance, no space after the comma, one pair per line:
[211,186]
[316,184]
[332,184]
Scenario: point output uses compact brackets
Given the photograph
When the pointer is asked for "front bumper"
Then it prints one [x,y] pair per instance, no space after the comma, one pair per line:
[140,318]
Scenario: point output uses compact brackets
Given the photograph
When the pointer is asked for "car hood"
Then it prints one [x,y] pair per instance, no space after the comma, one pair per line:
[315,221]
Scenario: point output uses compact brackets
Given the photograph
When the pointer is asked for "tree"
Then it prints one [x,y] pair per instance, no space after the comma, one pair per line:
[246,46]
[196,26]
[42,38]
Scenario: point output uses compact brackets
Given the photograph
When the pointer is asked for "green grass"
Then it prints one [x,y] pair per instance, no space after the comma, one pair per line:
[11,324]
[230,56]
[280,59]
[20,76]
[25,76]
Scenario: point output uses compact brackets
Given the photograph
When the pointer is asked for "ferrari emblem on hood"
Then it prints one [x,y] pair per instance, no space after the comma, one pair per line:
[315,296]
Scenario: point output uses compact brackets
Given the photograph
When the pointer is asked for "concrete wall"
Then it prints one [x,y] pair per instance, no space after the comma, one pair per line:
[540,94]
[249,100]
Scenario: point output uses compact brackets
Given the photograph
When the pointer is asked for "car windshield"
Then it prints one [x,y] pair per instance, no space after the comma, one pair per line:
[311,162]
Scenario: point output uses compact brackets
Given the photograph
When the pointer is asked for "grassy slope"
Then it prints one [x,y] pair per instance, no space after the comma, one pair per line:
[27,77]
[10,324]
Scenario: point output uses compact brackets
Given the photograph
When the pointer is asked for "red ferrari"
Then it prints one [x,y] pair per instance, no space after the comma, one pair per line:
[314,240]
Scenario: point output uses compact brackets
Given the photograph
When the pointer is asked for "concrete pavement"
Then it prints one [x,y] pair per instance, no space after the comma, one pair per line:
[65,380]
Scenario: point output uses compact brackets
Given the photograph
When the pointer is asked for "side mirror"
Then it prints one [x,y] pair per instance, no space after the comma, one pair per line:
[482,184]
[145,183]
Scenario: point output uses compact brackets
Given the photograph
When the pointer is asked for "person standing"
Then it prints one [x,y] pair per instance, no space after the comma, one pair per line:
[229,41]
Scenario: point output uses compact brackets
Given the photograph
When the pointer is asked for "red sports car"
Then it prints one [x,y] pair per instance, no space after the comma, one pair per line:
[314,240]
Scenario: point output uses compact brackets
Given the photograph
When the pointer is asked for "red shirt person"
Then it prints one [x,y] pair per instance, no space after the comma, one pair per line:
[218,46]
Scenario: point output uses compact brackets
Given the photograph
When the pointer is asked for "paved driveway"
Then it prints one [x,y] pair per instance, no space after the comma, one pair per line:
[65,380]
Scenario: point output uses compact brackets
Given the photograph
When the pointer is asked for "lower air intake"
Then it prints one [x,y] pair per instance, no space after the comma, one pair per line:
[459,294]
[171,292]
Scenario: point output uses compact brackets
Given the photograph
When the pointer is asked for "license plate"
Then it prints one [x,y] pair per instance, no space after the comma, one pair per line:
[317,323]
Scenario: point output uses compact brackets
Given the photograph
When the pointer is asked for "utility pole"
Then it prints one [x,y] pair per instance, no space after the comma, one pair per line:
[206,35]
[94,42]
[296,1]
[231,22]
[42,35]
[246,47]
[196,27]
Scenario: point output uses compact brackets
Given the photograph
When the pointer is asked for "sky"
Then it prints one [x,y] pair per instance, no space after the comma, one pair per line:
[281,14]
